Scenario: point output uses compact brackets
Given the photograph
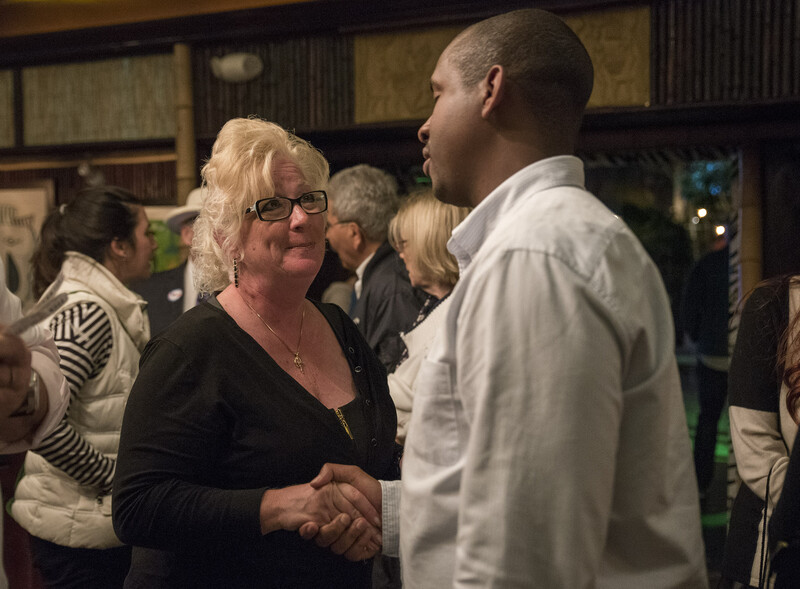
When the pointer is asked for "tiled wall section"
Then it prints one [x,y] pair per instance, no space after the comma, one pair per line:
[133,98]
[392,70]
[619,43]
[6,108]
[392,73]
[111,100]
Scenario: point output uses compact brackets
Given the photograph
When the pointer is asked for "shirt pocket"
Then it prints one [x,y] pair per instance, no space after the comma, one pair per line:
[433,434]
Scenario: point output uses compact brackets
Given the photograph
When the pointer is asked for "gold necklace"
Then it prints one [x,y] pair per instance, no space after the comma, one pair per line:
[298,361]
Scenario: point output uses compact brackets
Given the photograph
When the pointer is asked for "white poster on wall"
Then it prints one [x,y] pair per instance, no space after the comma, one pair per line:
[22,211]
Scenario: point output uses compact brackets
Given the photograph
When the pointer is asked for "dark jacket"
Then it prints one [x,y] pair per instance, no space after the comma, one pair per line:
[163,292]
[388,305]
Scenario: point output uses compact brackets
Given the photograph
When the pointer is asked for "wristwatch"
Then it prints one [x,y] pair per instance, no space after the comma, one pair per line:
[31,402]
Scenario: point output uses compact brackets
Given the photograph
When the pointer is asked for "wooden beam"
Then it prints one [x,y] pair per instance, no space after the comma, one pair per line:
[185,167]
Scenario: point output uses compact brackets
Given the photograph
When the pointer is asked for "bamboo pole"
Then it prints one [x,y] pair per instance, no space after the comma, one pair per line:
[185,164]
[751,270]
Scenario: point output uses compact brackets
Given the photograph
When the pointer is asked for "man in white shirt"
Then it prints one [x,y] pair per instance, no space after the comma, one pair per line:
[33,391]
[548,444]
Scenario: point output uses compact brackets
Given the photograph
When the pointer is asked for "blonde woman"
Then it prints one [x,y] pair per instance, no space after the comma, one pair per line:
[419,232]
[242,399]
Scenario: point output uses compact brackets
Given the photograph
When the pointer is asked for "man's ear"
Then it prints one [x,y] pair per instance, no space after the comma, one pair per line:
[493,89]
[187,232]
[356,235]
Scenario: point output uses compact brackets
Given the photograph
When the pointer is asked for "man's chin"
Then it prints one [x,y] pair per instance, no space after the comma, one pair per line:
[441,192]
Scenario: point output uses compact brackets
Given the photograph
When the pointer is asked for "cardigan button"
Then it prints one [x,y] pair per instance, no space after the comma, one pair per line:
[351,350]
[357,369]
[367,402]
[374,442]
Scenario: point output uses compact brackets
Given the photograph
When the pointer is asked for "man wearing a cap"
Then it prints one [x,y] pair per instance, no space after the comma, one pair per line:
[171,292]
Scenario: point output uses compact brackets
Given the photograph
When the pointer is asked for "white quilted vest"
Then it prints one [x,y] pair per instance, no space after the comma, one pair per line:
[47,502]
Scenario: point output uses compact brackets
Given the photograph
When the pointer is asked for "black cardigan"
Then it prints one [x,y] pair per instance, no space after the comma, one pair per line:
[211,423]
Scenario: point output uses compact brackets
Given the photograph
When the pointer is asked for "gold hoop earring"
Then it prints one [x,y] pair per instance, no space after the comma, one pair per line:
[235,273]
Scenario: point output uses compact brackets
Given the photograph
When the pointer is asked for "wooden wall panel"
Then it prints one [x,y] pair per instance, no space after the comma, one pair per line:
[618,42]
[110,100]
[392,73]
[726,50]
[153,182]
[307,83]
[7,122]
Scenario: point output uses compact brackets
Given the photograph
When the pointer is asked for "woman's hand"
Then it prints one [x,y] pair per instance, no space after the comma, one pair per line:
[340,535]
[291,507]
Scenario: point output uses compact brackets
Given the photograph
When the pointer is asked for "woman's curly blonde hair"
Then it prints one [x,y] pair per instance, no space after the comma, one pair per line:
[238,173]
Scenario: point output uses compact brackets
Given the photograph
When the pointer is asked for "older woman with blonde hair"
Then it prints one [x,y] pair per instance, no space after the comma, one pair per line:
[242,400]
[419,232]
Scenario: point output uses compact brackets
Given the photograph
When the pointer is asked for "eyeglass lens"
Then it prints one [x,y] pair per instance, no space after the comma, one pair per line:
[280,207]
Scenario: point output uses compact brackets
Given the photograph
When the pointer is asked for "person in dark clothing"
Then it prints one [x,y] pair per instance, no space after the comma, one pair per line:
[764,412]
[171,292]
[243,398]
[363,201]
[705,319]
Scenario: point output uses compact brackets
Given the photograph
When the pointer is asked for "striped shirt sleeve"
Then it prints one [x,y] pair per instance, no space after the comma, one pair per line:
[82,334]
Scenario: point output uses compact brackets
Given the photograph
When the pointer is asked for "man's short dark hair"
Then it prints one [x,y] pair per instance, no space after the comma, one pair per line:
[539,53]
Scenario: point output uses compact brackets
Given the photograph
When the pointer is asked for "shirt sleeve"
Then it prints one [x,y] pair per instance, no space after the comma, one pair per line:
[542,395]
[390,516]
[82,334]
[44,360]
[753,389]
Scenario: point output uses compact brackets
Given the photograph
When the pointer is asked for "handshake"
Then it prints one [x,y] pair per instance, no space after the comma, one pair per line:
[340,509]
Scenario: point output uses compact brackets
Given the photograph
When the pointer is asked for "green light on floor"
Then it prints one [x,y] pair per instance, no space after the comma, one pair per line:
[721,451]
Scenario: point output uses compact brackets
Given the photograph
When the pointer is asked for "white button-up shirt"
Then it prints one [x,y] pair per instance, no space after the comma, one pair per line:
[548,444]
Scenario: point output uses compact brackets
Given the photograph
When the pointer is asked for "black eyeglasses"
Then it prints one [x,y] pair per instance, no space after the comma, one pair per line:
[276,208]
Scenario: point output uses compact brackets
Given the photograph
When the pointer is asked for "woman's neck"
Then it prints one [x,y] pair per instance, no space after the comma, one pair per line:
[278,304]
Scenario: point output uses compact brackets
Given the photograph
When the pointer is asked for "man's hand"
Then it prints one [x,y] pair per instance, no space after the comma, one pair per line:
[339,535]
[15,372]
[291,507]
[352,475]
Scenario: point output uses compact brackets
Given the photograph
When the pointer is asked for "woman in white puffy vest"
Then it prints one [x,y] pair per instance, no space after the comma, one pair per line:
[98,243]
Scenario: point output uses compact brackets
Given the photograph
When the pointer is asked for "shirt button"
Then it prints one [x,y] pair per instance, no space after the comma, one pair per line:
[368,403]
[374,442]
[351,350]
[357,368]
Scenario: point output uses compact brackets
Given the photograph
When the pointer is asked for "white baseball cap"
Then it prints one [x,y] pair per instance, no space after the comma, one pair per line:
[194,202]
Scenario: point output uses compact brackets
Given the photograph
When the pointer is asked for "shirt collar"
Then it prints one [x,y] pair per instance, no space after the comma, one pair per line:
[548,173]
[360,274]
